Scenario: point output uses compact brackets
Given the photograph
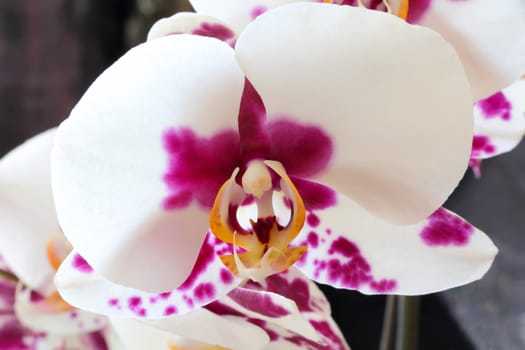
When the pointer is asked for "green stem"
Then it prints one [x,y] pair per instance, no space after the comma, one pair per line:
[389,322]
[407,323]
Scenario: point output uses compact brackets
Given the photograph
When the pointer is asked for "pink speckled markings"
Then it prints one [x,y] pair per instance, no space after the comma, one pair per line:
[315,331]
[208,281]
[445,229]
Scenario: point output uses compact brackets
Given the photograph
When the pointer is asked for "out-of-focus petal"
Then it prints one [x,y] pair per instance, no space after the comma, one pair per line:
[192,23]
[236,13]
[127,196]
[199,325]
[349,248]
[32,314]
[488,35]
[393,98]
[84,288]
[27,213]
[499,122]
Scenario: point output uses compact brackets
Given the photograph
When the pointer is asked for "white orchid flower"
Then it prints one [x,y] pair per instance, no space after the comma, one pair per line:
[343,129]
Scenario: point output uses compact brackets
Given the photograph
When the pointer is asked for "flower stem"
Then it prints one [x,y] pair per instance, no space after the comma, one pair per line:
[389,322]
[407,322]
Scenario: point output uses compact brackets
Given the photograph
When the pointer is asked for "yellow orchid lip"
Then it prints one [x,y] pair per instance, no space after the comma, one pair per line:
[265,245]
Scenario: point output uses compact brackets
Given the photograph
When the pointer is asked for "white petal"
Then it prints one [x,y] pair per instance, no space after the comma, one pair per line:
[234,12]
[488,35]
[499,122]
[392,98]
[84,288]
[27,213]
[110,165]
[349,248]
[68,322]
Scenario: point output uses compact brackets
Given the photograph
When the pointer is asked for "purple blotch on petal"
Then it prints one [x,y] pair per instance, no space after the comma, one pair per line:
[296,290]
[315,195]
[258,302]
[417,10]
[197,167]
[496,105]
[253,132]
[80,264]
[304,150]
[204,291]
[445,229]
[214,30]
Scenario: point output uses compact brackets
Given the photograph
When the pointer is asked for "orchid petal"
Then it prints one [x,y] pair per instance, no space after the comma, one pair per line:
[27,212]
[109,161]
[270,307]
[392,98]
[375,257]
[84,288]
[499,122]
[489,37]
[37,317]
[234,12]
[192,23]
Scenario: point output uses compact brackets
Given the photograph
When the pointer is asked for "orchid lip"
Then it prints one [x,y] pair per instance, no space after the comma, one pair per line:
[265,244]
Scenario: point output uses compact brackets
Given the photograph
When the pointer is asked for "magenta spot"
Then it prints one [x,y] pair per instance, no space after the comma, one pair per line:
[496,105]
[304,150]
[383,286]
[344,247]
[170,310]
[324,328]
[353,271]
[73,314]
[221,309]
[188,301]
[134,302]
[417,10]
[214,30]
[297,290]
[205,257]
[35,297]
[113,302]
[313,220]
[257,11]
[444,229]
[253,131]
[481,144]
[312,239]
[226,276]
[204,291]
[165,295]
[258,302]
[315,196]
[249,199]
[80,264]
[197,166]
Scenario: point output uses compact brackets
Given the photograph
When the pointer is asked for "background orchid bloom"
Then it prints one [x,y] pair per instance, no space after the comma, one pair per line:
[183,130]
[32,248]
[499,124]
[285,311]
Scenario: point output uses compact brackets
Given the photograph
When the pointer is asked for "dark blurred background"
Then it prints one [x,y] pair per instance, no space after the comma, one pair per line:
[50,51]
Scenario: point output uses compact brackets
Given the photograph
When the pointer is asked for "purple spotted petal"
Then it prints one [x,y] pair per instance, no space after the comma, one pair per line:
[314,308]
[208,281]
[349,248]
